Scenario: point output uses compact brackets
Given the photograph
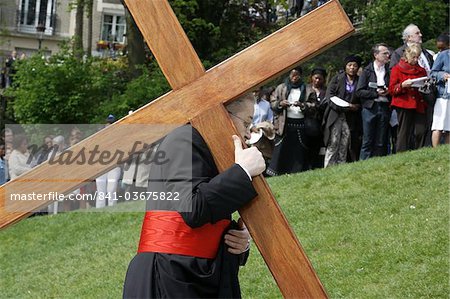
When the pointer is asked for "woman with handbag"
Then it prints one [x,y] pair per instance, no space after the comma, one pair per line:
[288,104]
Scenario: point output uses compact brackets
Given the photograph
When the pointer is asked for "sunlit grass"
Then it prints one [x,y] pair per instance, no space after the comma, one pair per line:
[372,229]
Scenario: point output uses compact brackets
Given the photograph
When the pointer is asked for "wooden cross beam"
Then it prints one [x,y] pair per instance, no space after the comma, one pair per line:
[198,97]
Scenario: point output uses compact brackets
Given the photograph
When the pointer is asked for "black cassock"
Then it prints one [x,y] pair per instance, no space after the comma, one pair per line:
[214,197]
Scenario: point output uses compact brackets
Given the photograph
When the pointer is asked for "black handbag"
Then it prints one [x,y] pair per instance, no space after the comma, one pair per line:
[428,91]
[312,127]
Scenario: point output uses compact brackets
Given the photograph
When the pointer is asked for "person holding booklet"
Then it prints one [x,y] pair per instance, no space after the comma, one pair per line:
[374,97]
[342,120]
[407,100]
[419,82]
[290,106]
[412,35]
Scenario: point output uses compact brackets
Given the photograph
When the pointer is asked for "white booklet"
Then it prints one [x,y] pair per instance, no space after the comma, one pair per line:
[419,82]
[340,102]
[255,137]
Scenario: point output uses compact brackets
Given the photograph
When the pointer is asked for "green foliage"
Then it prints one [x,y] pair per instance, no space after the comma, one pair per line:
[63,89]
[382,21]
[333,59]
[430,45]
[386,19]
[355,9]
[371,229]
[138,92]
[220,28]
[202,32]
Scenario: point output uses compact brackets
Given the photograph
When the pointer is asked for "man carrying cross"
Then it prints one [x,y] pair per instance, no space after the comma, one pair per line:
[195,251]
[197,97]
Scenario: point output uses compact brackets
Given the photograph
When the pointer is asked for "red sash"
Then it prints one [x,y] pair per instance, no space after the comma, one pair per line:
[166,232]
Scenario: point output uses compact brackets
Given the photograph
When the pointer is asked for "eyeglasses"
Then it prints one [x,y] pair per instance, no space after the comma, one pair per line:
[245,122]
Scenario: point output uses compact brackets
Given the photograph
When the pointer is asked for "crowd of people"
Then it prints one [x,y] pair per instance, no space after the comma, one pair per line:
[397,102]
[17,156]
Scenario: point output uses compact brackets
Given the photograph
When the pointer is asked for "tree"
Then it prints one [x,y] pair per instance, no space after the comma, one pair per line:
[386,19]
[135,46]
[64,89]
[89,11]
[220,28]
[382,21]
[141,90]
[356,9]
[78,37]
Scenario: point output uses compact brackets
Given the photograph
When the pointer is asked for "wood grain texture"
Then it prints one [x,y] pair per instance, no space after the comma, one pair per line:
[167,40]
[268,58]
[266,222]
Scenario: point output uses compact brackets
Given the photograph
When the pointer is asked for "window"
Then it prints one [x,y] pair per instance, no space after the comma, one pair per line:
[113,28]
[36,12]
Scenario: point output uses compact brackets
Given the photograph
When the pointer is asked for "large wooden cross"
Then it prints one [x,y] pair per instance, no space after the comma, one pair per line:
[198,97]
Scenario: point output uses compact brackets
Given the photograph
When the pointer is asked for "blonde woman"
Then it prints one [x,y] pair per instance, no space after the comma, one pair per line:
[407,100]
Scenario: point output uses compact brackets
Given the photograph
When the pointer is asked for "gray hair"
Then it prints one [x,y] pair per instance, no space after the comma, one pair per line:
[407,31]
[59,143]
[376,48]
[59,140]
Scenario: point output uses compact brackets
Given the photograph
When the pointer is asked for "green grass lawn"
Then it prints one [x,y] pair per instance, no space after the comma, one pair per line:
[372,229]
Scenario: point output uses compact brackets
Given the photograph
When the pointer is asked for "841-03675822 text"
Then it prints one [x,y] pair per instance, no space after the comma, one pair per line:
[168,196]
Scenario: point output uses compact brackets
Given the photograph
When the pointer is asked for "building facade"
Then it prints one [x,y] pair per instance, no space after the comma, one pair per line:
[27,25]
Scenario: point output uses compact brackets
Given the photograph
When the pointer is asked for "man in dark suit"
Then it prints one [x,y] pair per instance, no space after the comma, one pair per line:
[189,248]
[373,94]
